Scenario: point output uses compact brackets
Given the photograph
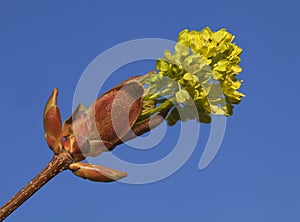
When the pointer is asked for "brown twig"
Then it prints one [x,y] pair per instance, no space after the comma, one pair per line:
[58,164]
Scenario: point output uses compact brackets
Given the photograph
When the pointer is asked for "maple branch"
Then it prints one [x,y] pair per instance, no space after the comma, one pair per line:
[58,164]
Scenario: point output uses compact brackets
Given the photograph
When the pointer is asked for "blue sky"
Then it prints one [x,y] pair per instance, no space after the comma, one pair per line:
[254,177]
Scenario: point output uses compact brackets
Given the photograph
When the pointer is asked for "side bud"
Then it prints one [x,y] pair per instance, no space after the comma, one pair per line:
[96,173]
[53,124]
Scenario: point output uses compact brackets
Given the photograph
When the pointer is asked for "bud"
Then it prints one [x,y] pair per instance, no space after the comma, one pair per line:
[96,173]
[53,124]
[91,131]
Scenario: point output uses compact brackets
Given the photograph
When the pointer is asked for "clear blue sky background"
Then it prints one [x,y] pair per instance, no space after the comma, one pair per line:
[255,176]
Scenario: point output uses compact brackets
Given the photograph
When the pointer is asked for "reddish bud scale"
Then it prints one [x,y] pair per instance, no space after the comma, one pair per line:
[80,147]
[114,113]
[93,130]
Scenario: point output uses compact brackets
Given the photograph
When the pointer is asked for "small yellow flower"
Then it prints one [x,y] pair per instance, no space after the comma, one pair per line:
[182,96]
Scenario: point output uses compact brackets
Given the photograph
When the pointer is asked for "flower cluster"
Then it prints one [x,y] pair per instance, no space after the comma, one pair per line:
[199,78]
[218,51]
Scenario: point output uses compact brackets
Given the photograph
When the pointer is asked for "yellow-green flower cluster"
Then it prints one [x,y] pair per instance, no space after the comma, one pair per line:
[199,77]
[218,51]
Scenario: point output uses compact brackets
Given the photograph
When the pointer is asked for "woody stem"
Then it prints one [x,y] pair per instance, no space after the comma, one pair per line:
[58,164]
